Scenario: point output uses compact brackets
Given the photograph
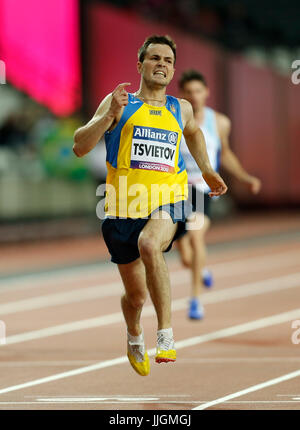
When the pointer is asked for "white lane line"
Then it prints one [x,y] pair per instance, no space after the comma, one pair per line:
[240,266]
[35,280]
[209,360]
[246,290]
[73,296]
[219,334]
[236,402]
[231,360]
[104,402]
[110,396]
[71,327]
[83,294]
[95,399]
[128,399]
[161,402]
[248,390]
[48,363]
[231,268]
[253,288]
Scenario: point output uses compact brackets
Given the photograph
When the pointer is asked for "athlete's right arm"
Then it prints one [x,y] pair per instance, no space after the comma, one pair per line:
[108,113]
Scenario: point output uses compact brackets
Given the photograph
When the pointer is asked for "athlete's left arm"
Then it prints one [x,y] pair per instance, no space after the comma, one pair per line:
[196,143]
[229,160]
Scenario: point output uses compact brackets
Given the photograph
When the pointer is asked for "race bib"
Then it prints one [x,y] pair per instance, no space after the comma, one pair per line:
[153,149]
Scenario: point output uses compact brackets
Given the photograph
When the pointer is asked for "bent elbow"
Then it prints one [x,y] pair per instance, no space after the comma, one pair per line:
[77,151]
[76,146]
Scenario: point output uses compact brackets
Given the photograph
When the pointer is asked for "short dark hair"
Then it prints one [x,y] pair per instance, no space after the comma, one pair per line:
[191,75]
[162,40]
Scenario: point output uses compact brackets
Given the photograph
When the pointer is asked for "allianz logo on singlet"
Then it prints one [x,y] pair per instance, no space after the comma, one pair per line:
[157,134]
[153,149]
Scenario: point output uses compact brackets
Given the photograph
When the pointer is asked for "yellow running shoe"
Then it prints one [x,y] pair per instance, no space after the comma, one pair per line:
[165,350]
[138,357]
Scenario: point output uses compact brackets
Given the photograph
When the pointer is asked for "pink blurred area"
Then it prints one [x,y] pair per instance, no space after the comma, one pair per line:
[39,42]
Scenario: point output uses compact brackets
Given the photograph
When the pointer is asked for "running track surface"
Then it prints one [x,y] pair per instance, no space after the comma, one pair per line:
[66,339]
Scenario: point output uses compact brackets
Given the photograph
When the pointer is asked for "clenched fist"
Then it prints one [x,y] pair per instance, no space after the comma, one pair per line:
[254,184]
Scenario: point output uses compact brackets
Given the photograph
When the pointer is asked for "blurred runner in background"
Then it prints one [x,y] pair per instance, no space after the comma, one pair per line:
[216,129]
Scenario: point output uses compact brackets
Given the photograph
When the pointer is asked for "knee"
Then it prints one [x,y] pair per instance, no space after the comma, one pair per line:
[136,300]
[185,261]
[148,247]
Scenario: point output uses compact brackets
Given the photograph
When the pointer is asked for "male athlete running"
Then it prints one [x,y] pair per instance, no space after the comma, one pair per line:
[142,134]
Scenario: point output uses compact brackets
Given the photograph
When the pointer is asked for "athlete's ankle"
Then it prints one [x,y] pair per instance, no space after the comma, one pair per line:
[166,332]
[135,331]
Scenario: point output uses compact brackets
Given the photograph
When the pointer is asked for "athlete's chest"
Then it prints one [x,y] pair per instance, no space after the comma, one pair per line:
[150,139]
[211,138]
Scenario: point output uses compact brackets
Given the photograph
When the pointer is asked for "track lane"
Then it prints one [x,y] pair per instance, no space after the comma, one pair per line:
[203,372]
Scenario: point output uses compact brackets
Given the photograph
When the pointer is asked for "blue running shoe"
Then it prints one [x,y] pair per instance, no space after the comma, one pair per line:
[207,278]
[196,310]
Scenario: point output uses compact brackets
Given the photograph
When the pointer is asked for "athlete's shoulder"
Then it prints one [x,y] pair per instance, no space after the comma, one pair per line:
[186,107]
[184,103]
[103,106]
[223,122]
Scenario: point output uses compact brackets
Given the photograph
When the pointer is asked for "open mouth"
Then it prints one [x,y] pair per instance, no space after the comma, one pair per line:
[160,72]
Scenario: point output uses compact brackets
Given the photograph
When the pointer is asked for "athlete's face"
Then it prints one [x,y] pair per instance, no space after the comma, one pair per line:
[196,93]
[158,66]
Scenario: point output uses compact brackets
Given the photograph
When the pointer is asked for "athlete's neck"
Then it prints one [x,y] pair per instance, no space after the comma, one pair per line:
[154,97]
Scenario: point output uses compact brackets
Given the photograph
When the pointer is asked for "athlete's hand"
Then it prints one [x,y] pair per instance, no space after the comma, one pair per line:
[119,98]
[254,184]
[215,183]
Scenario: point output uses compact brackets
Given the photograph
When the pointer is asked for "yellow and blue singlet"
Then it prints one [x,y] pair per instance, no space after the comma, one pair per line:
[143,159]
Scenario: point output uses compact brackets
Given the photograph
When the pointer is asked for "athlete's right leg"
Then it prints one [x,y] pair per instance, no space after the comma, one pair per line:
[134,280]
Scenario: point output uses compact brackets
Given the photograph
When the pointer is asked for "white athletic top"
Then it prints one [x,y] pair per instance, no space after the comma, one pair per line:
[213,144]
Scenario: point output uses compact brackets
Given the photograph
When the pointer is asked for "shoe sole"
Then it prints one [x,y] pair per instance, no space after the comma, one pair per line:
[166,356]
[164,360]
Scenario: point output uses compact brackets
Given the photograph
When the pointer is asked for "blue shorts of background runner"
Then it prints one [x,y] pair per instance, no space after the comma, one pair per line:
[121,234]
[203,207]
[202,197]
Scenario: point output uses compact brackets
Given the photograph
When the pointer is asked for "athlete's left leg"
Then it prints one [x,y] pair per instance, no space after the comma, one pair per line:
[153,240]
[185,250]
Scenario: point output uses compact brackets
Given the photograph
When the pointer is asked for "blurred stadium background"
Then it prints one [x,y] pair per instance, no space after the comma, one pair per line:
[62,56]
